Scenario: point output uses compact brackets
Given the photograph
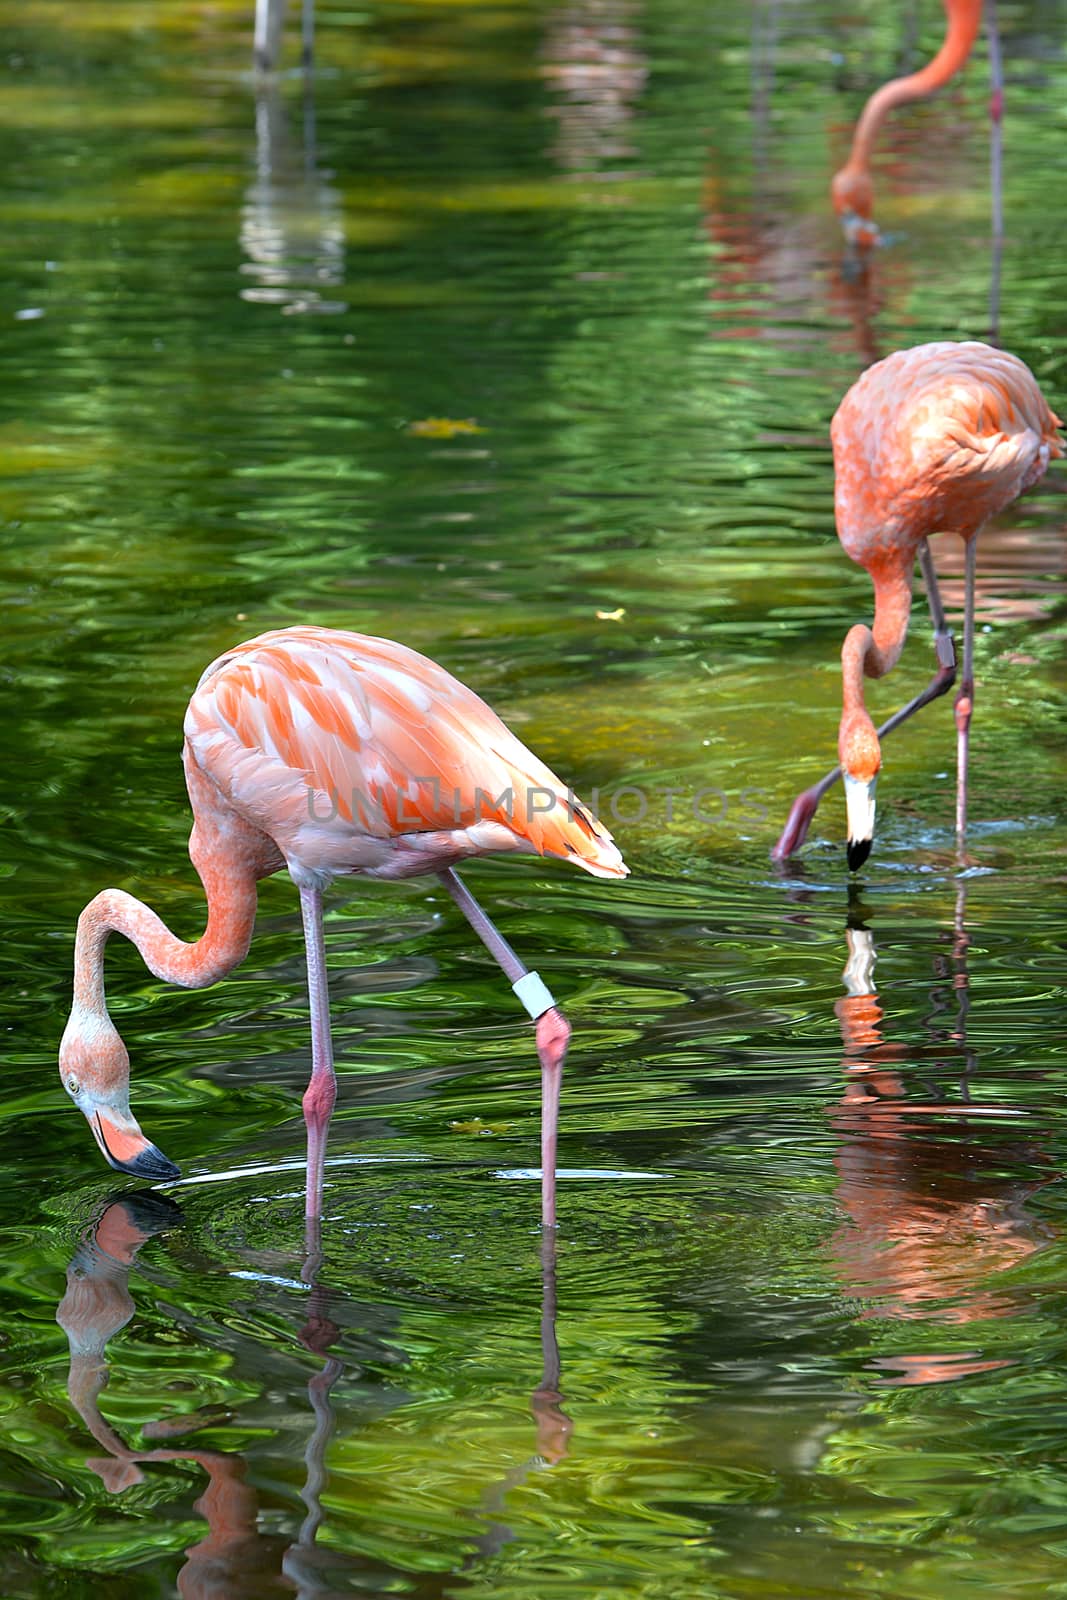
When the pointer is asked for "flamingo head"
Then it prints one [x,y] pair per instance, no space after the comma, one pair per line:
[95,1071]
[853,200]
[861,760]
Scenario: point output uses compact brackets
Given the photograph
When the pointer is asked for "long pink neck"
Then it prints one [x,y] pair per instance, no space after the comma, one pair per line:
[230,885]
[964,19]
[872,652]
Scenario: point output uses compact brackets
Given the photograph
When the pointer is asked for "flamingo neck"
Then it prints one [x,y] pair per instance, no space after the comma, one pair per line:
[872,652]
[964,19]
[230,886]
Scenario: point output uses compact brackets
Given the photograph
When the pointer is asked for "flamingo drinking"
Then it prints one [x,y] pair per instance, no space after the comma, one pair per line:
[331,754]
[938,438]
[851,190]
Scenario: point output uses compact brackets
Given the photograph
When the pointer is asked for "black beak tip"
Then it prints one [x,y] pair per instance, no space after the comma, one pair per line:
[149,1163]
[858,851]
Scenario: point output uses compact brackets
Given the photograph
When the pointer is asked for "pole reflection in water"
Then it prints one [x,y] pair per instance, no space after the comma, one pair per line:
[236,1559]
[292,222]
[932,1212]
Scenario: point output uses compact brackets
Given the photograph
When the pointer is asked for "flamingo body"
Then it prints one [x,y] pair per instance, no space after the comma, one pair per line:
[934,439]
[942,436]
[332,754]
[358,755]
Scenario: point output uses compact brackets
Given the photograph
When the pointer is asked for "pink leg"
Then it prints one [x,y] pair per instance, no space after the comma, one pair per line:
[996,141]
[553,1033]
[804,806]
[270,15]
[307,31]
[996,115]
[321,1092]
[965,698]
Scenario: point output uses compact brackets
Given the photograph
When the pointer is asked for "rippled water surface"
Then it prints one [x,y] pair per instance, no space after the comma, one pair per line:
[517,338]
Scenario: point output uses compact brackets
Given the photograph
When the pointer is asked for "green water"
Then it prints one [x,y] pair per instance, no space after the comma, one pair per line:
[809,1282]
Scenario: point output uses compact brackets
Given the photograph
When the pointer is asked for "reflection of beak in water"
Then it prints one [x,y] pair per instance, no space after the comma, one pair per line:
[931,1213]
[292,226]
[235,1559]
[553,1426]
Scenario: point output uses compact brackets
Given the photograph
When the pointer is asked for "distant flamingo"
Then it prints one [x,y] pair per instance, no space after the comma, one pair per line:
[938,438]
[267,35]
[331,754]
[851,190]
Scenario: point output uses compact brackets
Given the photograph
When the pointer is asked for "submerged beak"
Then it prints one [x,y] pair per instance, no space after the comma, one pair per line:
[125,1147]
[859,805]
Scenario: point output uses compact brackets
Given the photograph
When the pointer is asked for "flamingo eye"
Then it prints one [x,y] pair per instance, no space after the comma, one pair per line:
[73,1085]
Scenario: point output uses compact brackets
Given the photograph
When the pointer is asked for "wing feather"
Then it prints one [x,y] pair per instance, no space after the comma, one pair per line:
[312,722]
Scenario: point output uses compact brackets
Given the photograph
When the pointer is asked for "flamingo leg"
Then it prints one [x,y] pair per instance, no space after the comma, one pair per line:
[965,698]
[270,14]
[996,115]
[307,31]
[553,1034]
[805,805]
[321,1092]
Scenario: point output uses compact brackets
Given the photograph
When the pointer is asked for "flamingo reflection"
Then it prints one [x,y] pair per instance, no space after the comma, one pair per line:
[553,1427]
[932,1214]
[236,1558]
[292,222]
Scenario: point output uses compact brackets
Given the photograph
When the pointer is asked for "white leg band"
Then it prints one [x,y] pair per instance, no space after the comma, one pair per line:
[534,994]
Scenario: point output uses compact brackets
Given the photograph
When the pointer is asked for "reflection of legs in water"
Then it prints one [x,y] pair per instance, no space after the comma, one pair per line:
[318,1334]
[235,1558]
[553,1426]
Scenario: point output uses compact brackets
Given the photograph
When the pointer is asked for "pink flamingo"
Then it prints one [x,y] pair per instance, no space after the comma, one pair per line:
[938,438]
[331,754]
[851,189]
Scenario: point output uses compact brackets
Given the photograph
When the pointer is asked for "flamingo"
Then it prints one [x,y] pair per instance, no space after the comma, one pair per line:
[939,437]
[331,754]
[851,189]
[267,34]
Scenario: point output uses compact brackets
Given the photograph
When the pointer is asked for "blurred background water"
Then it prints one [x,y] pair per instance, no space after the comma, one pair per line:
[516,335]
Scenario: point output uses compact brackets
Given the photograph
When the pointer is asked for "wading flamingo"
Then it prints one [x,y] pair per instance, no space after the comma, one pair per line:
[935,439]
[330,754]
[851,189]
[267,34]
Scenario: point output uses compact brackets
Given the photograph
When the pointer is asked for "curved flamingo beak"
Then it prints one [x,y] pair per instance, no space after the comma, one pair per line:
[125,1147]
[859,806]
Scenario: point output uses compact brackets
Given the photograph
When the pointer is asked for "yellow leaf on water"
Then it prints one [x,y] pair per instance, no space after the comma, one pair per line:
[443,427]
